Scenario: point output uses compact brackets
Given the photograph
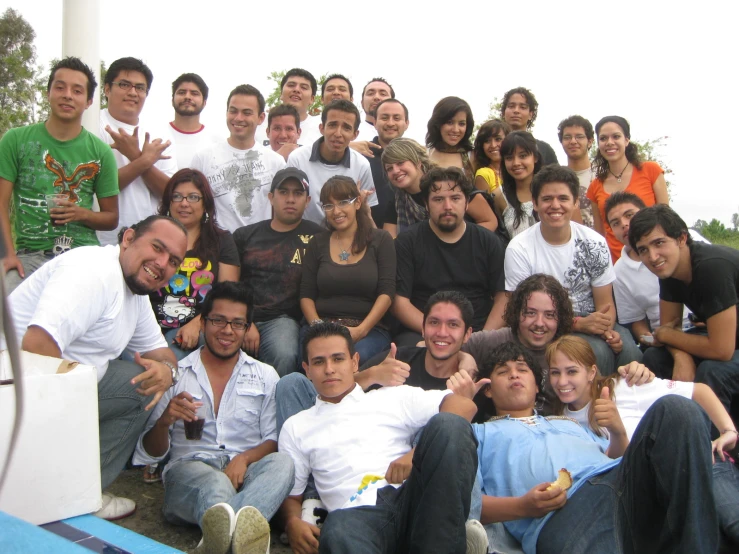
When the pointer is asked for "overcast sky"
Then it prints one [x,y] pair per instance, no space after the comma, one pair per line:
[670,68]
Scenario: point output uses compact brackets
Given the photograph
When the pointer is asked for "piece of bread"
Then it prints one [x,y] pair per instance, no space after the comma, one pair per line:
[564,480]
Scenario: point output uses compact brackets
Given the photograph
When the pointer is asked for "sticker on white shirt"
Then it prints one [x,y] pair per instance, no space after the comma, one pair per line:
[370,483]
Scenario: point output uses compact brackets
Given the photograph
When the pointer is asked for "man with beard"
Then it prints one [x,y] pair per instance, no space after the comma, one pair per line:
[230,480]
[445,253]
[189,97]
[271,254]
[90,306]
[391,122]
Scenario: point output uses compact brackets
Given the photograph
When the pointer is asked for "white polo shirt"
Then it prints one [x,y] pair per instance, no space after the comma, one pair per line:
[352,165]
[348,446]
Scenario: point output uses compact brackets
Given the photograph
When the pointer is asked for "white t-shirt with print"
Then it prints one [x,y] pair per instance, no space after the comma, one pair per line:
[81,299]
[580,264]
[136,201]
[348,446]
[240,180]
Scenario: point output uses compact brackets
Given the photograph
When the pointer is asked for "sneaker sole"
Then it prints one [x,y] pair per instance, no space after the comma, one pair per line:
[477,537]
[216,529]
[251,535]
[121,516]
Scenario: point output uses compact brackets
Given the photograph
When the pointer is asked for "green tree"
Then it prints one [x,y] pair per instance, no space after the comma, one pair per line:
[17,71]
[274,97]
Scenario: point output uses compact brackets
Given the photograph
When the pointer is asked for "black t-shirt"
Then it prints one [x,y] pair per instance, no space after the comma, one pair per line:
[181,299]
[473,266]
[271,266]
[415,357]
[714,286]
[383,189]
[547,153]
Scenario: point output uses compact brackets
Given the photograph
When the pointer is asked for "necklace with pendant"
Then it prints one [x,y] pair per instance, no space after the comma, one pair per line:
[344,254]
[618,177]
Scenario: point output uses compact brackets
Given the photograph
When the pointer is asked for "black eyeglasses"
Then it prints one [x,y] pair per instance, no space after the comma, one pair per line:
[126,86]
[236,324]
[192,198]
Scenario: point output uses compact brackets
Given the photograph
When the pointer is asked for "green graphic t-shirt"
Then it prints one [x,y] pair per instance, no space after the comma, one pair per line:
[37,164]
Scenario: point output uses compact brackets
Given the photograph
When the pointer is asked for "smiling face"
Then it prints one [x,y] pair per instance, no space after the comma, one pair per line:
[126,105]
[186,212]
[336,89]
[512,388]
[224,342]
[660,253]
[188,100]
[444,331]
[343,218]
[447,205]
[520,164]
[390,122]
[331,368]
[282,131]
[68,95]
[612,142]
[338,132]
[243,118]
[575,142]
[537,324]
[571,380]
[619,218]
[374,93]
[298,93]
[453,130]
[555,205]
[404,175]
[492,147]
[517,112]
[149,260]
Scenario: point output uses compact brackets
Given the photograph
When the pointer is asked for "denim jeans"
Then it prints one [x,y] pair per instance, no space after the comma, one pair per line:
[726,496]
[179,352]
[606,359]
[427,513]
[31,262]
[658,499]
[722,377]
[279,344]
[193,486]
[121,417]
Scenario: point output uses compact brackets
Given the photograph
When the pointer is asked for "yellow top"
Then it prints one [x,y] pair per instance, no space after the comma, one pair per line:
[490,176]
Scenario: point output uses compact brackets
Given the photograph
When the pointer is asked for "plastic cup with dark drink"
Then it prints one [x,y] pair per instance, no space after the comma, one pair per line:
[53,201]
[194,429]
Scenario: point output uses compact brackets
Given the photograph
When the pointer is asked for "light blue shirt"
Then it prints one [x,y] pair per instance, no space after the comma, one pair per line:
[515,457]
[246,415]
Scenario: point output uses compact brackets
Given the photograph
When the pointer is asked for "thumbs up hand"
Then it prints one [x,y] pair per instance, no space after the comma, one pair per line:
[596,323]
[606,413]
[461,383]
[390,372]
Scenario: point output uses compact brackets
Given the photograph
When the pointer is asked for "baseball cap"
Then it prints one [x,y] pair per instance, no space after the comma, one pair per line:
[290,173]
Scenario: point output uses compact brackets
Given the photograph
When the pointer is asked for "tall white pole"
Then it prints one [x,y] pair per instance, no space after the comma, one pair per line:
[81,38]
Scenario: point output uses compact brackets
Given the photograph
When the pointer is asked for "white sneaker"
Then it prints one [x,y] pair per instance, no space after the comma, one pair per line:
[314,512]
[218,525]
[477,538]
[115,507]
[251,535]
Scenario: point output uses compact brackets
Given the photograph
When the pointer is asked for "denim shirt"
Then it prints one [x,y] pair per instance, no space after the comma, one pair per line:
[246,414]
[514,457]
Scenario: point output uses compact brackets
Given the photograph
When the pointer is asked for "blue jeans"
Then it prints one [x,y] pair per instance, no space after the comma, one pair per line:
[121,417]
[726,495]
[31,262]
[179,352]
[427,513]
[606,359]
[293,393]
[658,499]
[193,486]
[279,344]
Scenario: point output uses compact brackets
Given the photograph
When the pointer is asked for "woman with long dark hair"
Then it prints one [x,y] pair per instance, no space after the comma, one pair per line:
[448,135]
[406,162]
[349,273]
[487,154]
[618,166]
[521,161]
[211,257]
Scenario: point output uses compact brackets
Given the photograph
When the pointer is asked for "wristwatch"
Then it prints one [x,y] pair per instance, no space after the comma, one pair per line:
[175,371]
[316,322]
